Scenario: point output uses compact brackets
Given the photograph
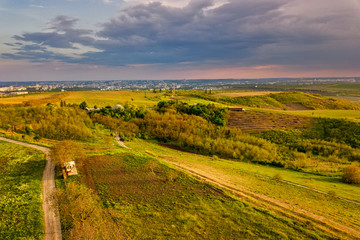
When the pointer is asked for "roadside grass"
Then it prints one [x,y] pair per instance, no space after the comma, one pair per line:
[152,201]
[247,175]
[21,171]
[44,142]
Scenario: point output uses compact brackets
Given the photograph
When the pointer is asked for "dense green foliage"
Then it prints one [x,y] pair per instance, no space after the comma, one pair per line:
[48,121]
[209,112]
[196,133]
[21,214]
[337,130]
[125,113]
[331,141]
[282,100]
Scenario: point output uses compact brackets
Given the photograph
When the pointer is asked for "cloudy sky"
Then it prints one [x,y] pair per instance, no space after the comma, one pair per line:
[177,39]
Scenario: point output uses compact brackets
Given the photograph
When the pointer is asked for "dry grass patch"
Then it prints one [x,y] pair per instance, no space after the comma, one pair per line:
[243,94]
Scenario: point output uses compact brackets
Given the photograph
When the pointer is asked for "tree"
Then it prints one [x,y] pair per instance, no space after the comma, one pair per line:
[351,174]
[83,105]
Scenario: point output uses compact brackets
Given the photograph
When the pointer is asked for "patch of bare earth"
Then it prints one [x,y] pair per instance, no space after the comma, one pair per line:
[296,106]
[254,121]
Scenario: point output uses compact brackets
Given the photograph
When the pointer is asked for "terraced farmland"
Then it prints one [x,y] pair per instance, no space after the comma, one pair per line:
[256,121]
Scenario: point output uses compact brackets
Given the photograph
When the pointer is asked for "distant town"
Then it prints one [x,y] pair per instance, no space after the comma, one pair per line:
[21,88]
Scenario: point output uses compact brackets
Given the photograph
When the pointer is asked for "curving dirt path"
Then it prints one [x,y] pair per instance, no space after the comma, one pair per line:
[51,216]
[118,140]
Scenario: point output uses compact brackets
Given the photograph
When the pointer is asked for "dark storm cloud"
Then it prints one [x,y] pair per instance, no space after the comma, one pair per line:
[248,32]
[62,35]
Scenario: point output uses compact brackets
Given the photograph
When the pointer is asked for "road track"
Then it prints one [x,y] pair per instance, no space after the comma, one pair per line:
[52,224]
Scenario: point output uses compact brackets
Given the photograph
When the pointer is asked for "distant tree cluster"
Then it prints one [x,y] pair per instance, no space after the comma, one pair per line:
[337,130]
[125,113]
[299,141]
[209,112]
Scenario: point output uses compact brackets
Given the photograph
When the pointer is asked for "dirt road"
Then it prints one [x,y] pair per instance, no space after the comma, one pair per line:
[121,143]
[51,217]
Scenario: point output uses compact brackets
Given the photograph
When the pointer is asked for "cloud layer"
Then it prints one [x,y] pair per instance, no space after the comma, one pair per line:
[321,33]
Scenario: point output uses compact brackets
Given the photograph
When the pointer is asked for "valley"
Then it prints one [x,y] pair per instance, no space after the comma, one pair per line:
[190,168]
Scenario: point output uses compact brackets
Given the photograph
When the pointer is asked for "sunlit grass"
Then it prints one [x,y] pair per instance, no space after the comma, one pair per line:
[24,98]
[21,215]
[246,175]
[352,115]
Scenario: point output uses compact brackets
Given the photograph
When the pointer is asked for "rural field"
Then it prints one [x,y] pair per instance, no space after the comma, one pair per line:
[21,215]
[285,168]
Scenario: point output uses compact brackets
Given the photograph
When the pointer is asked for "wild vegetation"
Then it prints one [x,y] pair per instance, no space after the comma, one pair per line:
[209,112]
[21,171]
[82,215]
[50,121]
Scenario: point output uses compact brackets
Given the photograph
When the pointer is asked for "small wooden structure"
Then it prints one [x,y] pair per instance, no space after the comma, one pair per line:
[236,109]
[70,168]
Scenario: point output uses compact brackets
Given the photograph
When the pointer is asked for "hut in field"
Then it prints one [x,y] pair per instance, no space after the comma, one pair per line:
[118,106]
[70,168]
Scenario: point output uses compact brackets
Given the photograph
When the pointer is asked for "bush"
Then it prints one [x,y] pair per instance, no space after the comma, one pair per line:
[351,174]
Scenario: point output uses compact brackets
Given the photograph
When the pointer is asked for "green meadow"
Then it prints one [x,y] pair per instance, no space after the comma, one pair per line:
[21,215]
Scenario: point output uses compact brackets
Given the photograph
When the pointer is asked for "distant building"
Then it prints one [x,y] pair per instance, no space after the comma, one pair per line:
[117,106]
[70,168]
[92,109]
[18,93]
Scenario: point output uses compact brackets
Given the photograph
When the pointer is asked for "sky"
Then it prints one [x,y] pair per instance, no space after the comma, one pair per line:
[54,40]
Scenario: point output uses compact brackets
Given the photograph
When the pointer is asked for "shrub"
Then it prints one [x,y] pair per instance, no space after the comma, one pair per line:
[278,177]
[351,174]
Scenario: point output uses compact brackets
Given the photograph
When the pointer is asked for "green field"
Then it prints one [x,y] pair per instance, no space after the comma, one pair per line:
[150,200]
[101,98]
[247,175]
[21,215]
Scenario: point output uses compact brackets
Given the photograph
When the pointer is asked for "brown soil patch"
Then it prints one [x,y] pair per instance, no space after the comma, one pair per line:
[253,121]
[244,94]
[296,106]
